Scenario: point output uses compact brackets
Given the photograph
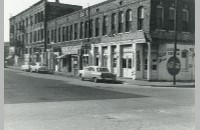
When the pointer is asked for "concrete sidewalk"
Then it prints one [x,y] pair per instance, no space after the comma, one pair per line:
[181,84]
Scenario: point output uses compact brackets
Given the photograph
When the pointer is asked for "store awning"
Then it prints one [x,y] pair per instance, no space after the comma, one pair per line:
[9,57]
[62,56]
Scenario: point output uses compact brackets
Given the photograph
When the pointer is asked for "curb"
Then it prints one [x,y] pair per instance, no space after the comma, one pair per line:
[192,85]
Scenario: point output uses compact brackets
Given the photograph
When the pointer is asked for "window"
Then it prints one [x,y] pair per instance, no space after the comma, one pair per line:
[97,24]
[184,56]
[55,35]
[30,37]
[26,22]
[105,22]
[120,22]
[63,33]
[42,34]
[31,20]
[71,33]
[91,28]
[81,30]
[38,38]
[67,33]
[86,29]
[42,16]
[128,20]
[140,18]
[52,33]
[35,36]
[171,18]
[75,31]
[59,34]
[185,20]
[113,23]
[159,17]
[35,18]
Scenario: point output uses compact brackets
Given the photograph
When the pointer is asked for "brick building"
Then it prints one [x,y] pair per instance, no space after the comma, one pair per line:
[28,29]
[133,38]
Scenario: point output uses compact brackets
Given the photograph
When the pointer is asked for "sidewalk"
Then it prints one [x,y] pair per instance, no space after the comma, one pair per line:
[181,84]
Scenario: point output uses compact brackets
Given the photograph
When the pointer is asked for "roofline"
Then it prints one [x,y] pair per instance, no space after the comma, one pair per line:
[93,6]
[39,3]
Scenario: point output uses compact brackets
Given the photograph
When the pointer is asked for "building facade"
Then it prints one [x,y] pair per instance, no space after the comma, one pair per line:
[132,38]
[28,29]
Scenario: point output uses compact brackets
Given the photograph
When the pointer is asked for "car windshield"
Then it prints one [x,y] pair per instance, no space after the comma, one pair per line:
[102,70]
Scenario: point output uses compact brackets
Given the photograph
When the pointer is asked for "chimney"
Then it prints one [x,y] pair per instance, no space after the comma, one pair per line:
[57,1]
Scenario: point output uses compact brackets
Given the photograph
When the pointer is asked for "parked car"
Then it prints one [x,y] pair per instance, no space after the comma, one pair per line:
[38,67]
[25,67]
[96,73]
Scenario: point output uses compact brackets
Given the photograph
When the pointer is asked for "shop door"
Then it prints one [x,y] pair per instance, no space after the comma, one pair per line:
[127,65]
[153,66]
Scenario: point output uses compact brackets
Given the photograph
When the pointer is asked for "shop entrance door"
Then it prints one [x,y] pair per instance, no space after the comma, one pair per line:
[153,66]
[127,65]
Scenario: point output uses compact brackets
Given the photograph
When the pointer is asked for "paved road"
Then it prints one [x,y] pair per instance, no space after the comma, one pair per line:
[48,102]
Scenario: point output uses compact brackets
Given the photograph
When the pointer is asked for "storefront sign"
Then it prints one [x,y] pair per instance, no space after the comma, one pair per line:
[70,49]
[170,66]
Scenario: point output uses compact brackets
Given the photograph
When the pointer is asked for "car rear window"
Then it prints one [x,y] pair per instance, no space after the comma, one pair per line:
[102,70]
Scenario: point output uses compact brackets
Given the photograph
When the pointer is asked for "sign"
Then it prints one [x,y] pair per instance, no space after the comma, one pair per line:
[170,66]
[70,49]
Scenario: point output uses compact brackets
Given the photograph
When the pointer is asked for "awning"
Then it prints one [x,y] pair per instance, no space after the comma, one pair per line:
[9,57]
[62,56]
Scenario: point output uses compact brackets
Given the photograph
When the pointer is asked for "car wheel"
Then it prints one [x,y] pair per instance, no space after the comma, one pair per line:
[95,80]
[82,78]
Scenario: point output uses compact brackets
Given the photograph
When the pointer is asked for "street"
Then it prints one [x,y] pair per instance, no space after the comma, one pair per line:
[50,102]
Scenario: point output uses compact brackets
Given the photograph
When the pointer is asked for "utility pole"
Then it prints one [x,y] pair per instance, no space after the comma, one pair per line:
[175,40]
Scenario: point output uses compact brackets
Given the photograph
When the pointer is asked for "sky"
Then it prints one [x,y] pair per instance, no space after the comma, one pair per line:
[13,7]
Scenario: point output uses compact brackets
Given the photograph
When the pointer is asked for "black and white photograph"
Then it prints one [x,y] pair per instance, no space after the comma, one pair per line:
[99,64]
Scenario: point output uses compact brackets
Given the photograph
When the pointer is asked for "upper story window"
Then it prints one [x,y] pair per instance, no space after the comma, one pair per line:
[113,22]
[140,18]
[86,29]
[59,34]
[31,20]
[42,34]
[121,22]
[159,17]
[63,33]
[128,20]
[171,19]
[67,33]
[71,32]
[185,20]
[81,30]
[52,33]
[91,28]
[55,35]
[75,31]
[26,22]
[105,25]
[97,26]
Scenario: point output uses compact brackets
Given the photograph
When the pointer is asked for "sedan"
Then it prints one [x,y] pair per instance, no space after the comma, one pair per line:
[96,73]
[38,67]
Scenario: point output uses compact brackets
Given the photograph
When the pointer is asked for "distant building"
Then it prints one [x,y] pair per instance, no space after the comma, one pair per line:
[28,29]
[6,49]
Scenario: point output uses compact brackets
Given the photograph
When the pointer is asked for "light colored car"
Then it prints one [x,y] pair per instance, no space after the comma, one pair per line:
[38,67]
[25,67]
[96,73]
